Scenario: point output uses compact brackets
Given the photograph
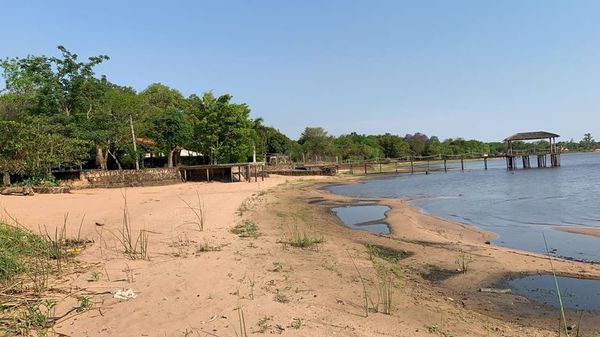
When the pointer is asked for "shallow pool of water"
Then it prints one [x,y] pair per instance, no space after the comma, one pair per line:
[578,294]
[364,217]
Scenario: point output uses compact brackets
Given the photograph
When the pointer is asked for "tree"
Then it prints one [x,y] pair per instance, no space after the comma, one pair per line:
[222,129]
[360,147]
[587,143]
[393,146]
[316,143]
[34,147]
[171,131]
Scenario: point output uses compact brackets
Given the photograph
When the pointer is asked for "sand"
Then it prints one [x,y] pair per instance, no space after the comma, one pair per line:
[282,289]
[580,230]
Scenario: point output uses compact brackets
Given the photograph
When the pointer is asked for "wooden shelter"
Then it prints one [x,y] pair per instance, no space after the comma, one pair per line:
[553,151]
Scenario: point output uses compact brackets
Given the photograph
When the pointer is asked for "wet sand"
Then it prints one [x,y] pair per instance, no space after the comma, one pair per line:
[580,230]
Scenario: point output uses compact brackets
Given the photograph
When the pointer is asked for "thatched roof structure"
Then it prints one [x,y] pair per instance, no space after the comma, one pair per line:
[531,136]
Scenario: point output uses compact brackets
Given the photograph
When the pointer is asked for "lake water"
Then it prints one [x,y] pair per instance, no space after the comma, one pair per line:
[578,294]
[517,205]
[364,217]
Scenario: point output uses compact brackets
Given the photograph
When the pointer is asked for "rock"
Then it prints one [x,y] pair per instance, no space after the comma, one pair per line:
[21,190]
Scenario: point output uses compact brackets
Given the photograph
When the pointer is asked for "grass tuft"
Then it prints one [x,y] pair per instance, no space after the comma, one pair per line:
[246,229]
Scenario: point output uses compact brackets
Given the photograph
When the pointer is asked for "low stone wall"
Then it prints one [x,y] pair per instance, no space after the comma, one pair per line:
[127,178]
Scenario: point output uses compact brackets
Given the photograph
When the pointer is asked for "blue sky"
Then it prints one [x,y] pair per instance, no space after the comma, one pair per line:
[477,69]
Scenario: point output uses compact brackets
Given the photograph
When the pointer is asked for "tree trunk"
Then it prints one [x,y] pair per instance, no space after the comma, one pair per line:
[6,179]
[170,160]
[100,158]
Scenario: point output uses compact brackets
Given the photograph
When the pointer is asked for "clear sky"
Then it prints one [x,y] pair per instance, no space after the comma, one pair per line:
[477,69]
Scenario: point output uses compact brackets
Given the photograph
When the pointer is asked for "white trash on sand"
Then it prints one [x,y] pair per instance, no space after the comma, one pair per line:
[124,294]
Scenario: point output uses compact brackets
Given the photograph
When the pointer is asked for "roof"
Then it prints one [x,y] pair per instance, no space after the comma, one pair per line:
[532,135]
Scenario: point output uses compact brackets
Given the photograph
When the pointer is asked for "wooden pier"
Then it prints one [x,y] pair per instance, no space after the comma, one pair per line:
[542,155]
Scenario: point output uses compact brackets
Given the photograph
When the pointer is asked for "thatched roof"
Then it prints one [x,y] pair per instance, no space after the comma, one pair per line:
[532,135]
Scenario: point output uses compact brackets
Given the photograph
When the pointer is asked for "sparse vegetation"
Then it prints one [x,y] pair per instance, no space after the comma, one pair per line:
[206,247]
[27,262]
[463,260]
[199,212]
[133,248]
[246,229]
[85,303]
[296,323]
[302,239]
[435,329]
[263,324]
[281,298]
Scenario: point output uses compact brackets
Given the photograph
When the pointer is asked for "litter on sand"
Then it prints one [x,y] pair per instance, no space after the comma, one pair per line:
[123,294]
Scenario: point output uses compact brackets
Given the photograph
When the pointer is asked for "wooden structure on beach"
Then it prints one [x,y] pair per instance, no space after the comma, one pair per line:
[236,172]
[512,156]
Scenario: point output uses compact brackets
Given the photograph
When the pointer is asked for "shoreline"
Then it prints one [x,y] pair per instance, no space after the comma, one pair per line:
[197,280]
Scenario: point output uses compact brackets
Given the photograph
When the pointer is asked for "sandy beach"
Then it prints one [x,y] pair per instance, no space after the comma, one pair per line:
[195,281]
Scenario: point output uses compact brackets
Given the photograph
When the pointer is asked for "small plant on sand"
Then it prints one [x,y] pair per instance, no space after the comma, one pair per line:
[296,323]
[302,239]
[364,286]
[263,324]
[85,303]
[206,247]
[35,317]
[134,248]
[435,329]
[281,297]
[463,260]
[94,276]
[246,229]
[199,212]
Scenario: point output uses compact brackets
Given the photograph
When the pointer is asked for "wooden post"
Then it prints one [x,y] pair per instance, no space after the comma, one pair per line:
[485,162]
[445,167]
[351,170]
[365,168]
[396,165]
[462,164]
[262,178]
[412,167]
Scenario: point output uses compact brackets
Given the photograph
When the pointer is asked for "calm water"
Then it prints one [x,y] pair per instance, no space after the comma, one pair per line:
[518,205]
[576,293]
[365,217]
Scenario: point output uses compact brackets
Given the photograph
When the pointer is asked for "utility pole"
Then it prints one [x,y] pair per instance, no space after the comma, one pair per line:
[137,163]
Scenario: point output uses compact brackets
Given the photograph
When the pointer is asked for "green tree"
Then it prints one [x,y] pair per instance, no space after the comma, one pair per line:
[222,129]
[316,143]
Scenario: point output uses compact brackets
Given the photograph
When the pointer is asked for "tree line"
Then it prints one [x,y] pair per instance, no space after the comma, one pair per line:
[56,112]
